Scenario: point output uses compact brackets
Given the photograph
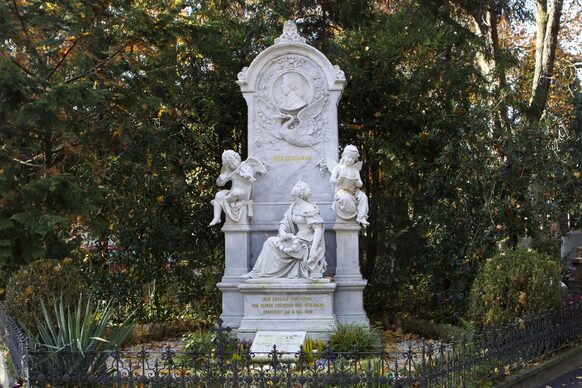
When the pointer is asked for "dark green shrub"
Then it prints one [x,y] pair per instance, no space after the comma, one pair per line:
[42,280]
[515,284]
[346,337]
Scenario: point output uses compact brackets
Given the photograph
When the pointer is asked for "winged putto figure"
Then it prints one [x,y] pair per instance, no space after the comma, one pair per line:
[242,175]
[349,201]
[293,119]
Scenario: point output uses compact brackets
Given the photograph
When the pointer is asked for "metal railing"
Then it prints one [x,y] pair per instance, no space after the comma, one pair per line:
[475,359]
[16,342]
[469,361]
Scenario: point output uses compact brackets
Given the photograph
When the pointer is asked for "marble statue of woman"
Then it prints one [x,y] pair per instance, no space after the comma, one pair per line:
[349,201]
[242,175]
[298,251]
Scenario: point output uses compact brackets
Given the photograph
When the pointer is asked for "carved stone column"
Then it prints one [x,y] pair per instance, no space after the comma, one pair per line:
[349,294]
[236,253]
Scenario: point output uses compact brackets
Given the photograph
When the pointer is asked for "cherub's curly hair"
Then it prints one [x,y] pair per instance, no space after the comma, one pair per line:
[245,170]
[349,150]
[230,155]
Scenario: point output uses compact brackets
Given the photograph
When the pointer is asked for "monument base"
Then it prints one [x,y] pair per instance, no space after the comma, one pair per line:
[232,304]
[349,302]
[287,305]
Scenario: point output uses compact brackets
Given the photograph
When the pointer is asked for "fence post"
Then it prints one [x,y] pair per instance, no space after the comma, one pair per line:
[16,341]
[423,382]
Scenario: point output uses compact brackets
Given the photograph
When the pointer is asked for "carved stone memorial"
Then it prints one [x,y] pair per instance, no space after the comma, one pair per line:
[293,212]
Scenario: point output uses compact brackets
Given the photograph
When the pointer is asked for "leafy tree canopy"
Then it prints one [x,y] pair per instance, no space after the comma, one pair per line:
[113,116]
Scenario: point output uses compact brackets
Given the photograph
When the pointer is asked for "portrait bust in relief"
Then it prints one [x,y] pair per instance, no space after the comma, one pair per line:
[291,113]
[291,91]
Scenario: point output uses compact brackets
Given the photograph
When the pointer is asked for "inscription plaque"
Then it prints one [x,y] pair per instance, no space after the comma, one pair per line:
[286,341]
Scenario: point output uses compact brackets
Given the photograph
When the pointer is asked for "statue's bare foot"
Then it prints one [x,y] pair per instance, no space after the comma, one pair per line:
[214,221]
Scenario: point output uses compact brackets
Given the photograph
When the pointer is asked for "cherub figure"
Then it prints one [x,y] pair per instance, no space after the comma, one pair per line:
[242,175]
[349,201]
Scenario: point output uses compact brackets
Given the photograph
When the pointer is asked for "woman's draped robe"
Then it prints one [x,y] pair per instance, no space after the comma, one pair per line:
[290,258]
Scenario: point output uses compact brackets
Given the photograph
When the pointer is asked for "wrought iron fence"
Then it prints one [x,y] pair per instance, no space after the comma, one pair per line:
[16,341]
[469,361]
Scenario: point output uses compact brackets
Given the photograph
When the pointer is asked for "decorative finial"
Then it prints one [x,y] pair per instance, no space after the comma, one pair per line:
[242,75]
[339,73]
[289,34]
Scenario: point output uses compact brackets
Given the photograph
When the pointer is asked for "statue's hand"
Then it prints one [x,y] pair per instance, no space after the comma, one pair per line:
[286,236]
[222,179]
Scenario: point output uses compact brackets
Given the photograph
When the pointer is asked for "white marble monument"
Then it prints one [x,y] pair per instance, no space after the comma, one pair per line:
[291,235]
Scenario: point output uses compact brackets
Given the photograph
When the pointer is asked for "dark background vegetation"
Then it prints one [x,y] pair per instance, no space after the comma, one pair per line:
[114,114]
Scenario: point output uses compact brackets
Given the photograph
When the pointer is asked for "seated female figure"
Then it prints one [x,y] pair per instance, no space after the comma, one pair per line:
[298,251]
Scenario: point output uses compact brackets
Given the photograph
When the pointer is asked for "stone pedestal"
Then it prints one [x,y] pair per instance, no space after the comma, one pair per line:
[287,305]
[577,263]
[349,295]
[237,248]
[570,242]
[575,280]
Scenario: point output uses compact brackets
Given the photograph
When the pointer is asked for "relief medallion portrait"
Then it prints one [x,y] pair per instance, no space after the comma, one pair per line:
[291,91]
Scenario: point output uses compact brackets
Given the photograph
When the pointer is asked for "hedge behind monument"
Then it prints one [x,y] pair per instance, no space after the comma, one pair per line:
[45,280]
[513,285]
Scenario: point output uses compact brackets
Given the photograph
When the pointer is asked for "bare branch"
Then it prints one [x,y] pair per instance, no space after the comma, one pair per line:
[27,163]
[27,34]
[77,40]
[71,47]
[21,66]
[102,62]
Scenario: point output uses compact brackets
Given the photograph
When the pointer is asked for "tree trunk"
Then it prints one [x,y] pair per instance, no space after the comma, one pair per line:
[548,25]
[485,20]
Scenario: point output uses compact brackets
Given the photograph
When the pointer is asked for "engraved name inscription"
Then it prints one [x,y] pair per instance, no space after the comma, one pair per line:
[291,158]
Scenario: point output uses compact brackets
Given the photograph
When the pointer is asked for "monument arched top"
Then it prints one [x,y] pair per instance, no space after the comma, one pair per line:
[289,43]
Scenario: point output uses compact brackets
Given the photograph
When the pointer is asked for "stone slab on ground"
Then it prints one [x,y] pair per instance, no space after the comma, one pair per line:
[286,341]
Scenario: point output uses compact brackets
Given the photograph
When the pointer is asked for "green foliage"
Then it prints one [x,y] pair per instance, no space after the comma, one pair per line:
[312,350]
[513,285]
[347,337]
[42,280]
[84,331]
[434,329]
[199,342]
[114,115]
[422,142]
[212,345]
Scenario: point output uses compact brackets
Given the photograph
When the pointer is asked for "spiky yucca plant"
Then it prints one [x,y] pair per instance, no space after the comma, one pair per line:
[78,341]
